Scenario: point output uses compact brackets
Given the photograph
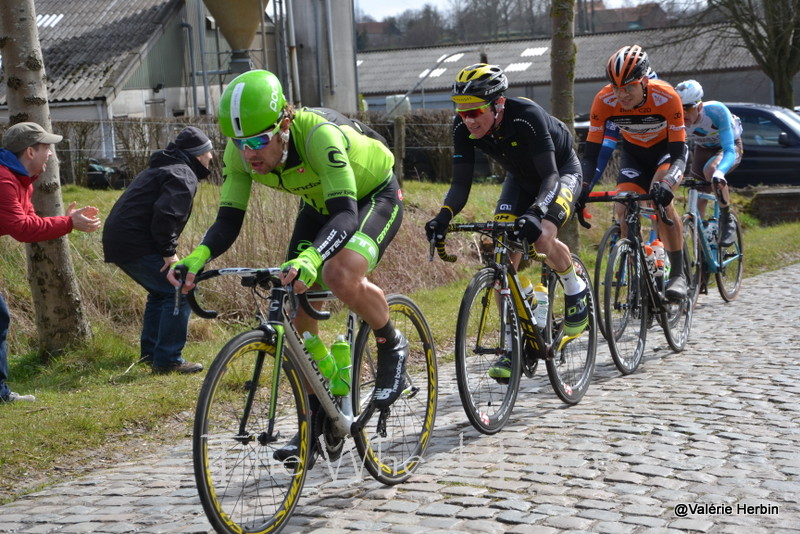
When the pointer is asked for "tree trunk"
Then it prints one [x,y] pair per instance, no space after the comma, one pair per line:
[60,318]
[562,73]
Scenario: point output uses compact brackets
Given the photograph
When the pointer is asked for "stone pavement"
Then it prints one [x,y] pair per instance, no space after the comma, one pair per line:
[707,440]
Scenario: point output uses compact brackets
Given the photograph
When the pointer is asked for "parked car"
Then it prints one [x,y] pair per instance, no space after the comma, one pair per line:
[771,139]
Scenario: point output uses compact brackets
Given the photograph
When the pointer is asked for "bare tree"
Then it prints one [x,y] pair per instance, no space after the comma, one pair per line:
[563,52]
[770,30]
[60,318]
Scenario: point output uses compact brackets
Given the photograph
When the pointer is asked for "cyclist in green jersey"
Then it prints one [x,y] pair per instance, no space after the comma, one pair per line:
[351,207]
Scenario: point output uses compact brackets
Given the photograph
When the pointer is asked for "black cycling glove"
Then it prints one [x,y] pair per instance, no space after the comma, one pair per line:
[662,193]
[528,227]
[437,227]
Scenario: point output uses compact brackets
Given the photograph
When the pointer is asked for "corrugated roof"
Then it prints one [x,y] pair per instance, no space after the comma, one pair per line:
[91,47]
[671,50]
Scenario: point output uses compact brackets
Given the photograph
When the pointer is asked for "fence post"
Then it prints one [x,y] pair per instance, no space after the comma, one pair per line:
[399,146]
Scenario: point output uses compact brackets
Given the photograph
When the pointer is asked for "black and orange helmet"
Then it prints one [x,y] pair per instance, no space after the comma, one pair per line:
[627,65]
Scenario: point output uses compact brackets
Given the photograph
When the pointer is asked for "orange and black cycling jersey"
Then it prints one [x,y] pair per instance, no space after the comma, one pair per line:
[660,117]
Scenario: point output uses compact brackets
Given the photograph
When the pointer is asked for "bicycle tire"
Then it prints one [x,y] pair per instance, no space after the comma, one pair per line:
[677,317]
[570,369]
[482,335]
[607,242]
[393,457]
[729,274]
[241,487]
[626,308]
[693,252]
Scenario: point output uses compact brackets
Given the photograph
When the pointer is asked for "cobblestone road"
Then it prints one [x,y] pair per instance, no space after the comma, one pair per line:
[703,441]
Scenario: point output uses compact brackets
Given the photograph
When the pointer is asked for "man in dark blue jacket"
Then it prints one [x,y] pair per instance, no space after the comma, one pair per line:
[141,236]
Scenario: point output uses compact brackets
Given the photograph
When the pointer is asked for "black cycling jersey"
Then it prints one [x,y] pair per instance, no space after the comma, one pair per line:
[530,144]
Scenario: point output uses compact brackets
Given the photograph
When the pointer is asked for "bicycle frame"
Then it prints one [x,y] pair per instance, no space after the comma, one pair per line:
[712,263]
[283,303]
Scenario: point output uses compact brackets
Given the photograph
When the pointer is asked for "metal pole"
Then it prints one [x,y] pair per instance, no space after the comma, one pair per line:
[400,101]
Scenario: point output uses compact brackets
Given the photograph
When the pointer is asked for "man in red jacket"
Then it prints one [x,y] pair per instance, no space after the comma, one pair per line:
[26,149]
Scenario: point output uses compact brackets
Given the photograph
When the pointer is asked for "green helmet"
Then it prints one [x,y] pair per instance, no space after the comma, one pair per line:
[251,103]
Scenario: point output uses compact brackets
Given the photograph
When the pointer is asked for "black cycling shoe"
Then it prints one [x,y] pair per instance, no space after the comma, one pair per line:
[289,454]
[676,288]
[391,370]
[727,230]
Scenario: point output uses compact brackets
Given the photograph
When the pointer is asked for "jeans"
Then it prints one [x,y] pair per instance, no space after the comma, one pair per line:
[5,319]
[163,333]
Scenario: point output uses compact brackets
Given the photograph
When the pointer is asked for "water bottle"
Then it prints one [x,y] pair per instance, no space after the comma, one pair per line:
[540,312]
[660,256]
[340,385]
[527,289]
[650,259]
[319,353]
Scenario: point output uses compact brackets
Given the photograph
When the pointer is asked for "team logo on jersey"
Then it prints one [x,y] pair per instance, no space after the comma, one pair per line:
[333,157]
[610,100]
[659,99]
[629,173]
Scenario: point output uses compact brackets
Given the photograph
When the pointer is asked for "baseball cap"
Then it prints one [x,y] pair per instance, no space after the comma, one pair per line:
[24,134]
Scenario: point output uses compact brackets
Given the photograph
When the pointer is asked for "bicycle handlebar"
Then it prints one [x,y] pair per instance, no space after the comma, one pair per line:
[494,227]
[250,278]
[626,197]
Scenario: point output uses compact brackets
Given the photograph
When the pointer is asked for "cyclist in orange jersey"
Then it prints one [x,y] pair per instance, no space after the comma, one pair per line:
[654,151]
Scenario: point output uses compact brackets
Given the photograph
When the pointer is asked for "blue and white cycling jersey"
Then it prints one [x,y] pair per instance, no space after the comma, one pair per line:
[717,128]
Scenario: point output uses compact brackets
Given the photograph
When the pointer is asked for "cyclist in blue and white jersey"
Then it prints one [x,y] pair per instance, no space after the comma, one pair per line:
[717,137]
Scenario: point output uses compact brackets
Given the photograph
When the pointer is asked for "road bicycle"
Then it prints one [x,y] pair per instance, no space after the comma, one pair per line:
[249,406]
[495,319]
[634,290]
[707,255]
[607,242]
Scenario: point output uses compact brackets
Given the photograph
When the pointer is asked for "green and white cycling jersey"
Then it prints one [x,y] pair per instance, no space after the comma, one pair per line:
[329,157]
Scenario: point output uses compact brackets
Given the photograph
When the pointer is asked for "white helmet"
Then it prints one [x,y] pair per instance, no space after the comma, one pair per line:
[690,91]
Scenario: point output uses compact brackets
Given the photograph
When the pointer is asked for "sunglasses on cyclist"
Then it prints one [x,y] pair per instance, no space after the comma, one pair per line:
[256,142]
[627,88]
[687,107]
[473,113]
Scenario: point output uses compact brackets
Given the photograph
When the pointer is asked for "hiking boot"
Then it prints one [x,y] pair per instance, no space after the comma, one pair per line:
[676,288]
[184,368]
[576,316]
[501,369]
[727,230]
[289,454]
[16,397]
[390,380]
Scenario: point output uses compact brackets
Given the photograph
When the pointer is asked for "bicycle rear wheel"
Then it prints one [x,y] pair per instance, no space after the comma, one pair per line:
[571,368]
[608,241]
[242,488]
[483,334]
[677,317]
[625,308]
[392,451]
[729,274]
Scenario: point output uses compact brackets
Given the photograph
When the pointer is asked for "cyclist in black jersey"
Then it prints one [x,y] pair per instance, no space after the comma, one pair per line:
[351,208]
[543,177]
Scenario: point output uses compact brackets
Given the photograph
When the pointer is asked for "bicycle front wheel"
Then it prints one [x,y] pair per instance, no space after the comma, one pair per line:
[484,335]
[242,488]
[729,274]
[677,318]
[607,243]
[393,448]
[625,308]
[571,366]
[692,253]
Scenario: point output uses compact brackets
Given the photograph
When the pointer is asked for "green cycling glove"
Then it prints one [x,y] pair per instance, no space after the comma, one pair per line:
[307,265]
[196,260]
